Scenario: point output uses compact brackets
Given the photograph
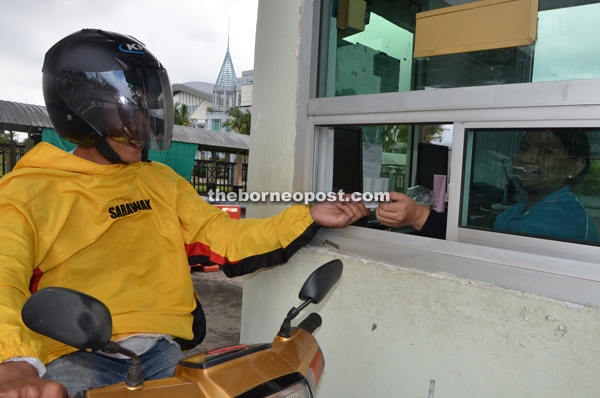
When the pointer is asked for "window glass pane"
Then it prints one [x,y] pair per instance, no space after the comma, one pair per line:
[535,182]
[216,125]
[374,52]
[567,45]
[477,68]
[384,158]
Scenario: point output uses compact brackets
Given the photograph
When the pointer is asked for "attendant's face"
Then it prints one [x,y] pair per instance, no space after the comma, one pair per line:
[542,163]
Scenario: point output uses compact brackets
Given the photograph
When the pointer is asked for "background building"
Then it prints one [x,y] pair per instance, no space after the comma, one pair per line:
[224,95]
[229,92]
[244,90]
[209,103]
[197,96]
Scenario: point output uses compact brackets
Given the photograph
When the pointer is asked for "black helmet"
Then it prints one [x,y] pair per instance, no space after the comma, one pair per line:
[100,85]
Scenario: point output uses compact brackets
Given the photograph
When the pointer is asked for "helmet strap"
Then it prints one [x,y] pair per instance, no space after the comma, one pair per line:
[145,156]
[107,151]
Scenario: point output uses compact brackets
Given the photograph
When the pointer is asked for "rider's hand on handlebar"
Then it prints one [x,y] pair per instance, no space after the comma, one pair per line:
[20,379]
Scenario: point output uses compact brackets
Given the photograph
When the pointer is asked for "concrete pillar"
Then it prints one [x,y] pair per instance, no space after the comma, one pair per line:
[29,144]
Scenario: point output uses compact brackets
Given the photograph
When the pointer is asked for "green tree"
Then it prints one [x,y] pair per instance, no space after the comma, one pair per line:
[239,121]
[431,133]
[394,138]
[183,117]
[590,184]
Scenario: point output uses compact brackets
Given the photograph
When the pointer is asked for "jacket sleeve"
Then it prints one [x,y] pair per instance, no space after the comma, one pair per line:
[243,246]
[17,252]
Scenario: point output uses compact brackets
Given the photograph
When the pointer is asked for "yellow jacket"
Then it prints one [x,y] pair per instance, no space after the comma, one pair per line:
[125,234]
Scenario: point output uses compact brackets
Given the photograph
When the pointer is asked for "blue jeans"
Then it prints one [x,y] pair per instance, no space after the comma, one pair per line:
[83,370]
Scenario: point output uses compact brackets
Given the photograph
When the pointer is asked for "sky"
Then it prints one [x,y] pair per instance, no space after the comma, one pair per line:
[189,37]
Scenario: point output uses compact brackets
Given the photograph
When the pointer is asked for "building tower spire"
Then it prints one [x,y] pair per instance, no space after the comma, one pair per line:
[224,91]
[226,79]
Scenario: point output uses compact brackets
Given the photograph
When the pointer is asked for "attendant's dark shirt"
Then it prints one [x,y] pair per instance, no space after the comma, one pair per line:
[435,226]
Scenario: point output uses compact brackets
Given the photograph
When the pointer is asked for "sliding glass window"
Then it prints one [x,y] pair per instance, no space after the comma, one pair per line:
[373,46]
[533,182]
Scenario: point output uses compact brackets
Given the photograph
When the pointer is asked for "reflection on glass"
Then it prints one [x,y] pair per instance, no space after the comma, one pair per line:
[477,68]
[390,151]
[392,159]
[567,44]
[375,54]
[376,60]
[540,182]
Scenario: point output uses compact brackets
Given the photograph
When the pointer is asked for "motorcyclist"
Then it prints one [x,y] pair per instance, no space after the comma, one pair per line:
[105,221]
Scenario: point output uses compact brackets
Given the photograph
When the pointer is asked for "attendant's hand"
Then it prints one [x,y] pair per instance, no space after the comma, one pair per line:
[20,379]
[402,212]
[338,214]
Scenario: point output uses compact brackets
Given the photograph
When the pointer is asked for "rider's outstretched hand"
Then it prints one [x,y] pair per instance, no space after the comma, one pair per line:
[20,379]
[338,214]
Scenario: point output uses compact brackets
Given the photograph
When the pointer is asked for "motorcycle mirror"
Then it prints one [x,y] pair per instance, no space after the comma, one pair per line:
[69,316]
[320,282]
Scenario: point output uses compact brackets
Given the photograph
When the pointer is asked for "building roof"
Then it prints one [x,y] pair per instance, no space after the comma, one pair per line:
[211,140]
[15,116]
[227,74]
[188,88]
[201,86]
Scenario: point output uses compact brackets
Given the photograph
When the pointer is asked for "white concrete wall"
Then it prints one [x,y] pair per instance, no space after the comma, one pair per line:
[389,329]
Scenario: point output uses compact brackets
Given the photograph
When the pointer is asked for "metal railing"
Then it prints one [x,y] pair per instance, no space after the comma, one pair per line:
[10,153]
[210,174]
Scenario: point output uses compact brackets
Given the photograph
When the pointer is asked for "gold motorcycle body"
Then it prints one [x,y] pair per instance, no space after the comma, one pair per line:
[240,371]
[290,366]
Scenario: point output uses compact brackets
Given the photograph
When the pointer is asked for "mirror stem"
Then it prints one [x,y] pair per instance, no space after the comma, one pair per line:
[135,377]
[303,306]
[286,327]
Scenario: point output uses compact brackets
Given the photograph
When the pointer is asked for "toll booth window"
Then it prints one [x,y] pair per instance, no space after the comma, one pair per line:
[378,159]
[368,47]
[533,182]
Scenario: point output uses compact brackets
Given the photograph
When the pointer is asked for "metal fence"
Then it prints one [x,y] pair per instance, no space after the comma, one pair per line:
[10,153]
[209,174]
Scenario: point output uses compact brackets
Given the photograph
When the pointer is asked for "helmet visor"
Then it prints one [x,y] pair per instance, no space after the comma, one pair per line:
[133,106]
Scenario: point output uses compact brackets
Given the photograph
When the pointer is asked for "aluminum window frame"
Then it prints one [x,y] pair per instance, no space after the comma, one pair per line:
[560,270]
[557,249]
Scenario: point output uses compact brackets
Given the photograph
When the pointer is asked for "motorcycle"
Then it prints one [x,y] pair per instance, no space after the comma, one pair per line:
[290,366]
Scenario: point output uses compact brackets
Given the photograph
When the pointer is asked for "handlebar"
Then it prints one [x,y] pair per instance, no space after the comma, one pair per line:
[311,323]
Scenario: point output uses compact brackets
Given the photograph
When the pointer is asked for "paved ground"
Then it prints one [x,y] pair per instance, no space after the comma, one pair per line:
[221,300]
